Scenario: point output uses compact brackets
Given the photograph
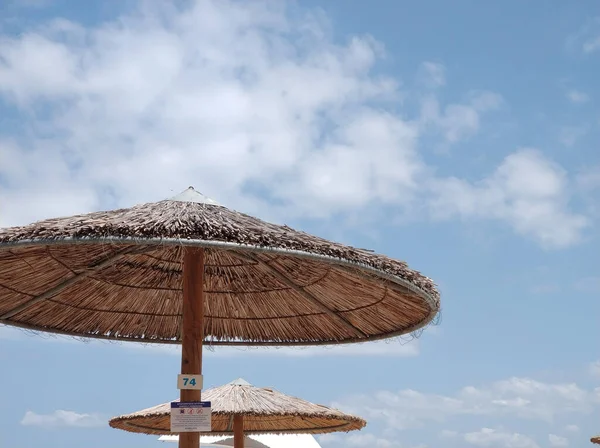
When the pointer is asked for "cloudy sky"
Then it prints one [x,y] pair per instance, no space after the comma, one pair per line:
[462,137]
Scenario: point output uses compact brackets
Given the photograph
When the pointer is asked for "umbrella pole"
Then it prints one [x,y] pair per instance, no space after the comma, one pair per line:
[193,330]
[238,431]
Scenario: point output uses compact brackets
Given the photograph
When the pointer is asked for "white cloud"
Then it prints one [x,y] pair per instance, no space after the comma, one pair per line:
[363,439]
[433,74]
[254,110]
[358,439]
[592,45]
[577,96]
[458,121]
[572,428]
[595,369]
[249,99]
[558,441]
[545,288]
[60,418]
[329,438]
[588,285]
[487,437]
[527,190]
[587,39]
[448,434]
[515,397]
[570,135]
[589,178]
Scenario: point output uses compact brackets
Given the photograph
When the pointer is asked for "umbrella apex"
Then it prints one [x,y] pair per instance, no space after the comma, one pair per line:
[191,195]
[240,382]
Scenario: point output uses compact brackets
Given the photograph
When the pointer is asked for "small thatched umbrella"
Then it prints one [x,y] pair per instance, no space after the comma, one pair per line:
[239,408]
[596,440]
[187,271]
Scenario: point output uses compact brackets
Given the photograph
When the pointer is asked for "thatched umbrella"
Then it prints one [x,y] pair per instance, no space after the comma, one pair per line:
[239,408]
[596,440]
[190,271]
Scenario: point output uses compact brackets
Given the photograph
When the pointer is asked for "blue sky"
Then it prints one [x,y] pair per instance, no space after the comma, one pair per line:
[459,136]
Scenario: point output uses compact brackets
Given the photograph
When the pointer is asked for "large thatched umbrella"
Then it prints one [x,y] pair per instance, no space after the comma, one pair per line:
[187,271]
[595,439]
[239,408]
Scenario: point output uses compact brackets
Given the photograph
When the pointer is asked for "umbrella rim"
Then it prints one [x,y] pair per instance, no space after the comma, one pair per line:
[595,439]
[126,422]
[431,300]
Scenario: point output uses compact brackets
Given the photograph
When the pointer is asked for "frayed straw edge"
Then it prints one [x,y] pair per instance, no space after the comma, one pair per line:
[56,335]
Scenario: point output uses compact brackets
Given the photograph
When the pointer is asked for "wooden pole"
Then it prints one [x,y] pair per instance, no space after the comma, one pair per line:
[238,431]
[193,330]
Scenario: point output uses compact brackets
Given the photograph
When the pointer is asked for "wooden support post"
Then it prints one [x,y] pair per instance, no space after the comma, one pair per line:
[238,431]
[193,330]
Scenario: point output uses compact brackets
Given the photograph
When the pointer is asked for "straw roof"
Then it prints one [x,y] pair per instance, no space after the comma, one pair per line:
[595,439]
[265,411]
[117,275]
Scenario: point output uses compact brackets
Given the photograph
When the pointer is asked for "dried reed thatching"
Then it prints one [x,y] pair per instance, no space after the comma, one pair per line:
[265,411]
[595,440]
[117,275]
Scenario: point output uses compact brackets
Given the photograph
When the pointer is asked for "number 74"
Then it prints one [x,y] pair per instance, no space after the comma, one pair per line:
[191,382]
